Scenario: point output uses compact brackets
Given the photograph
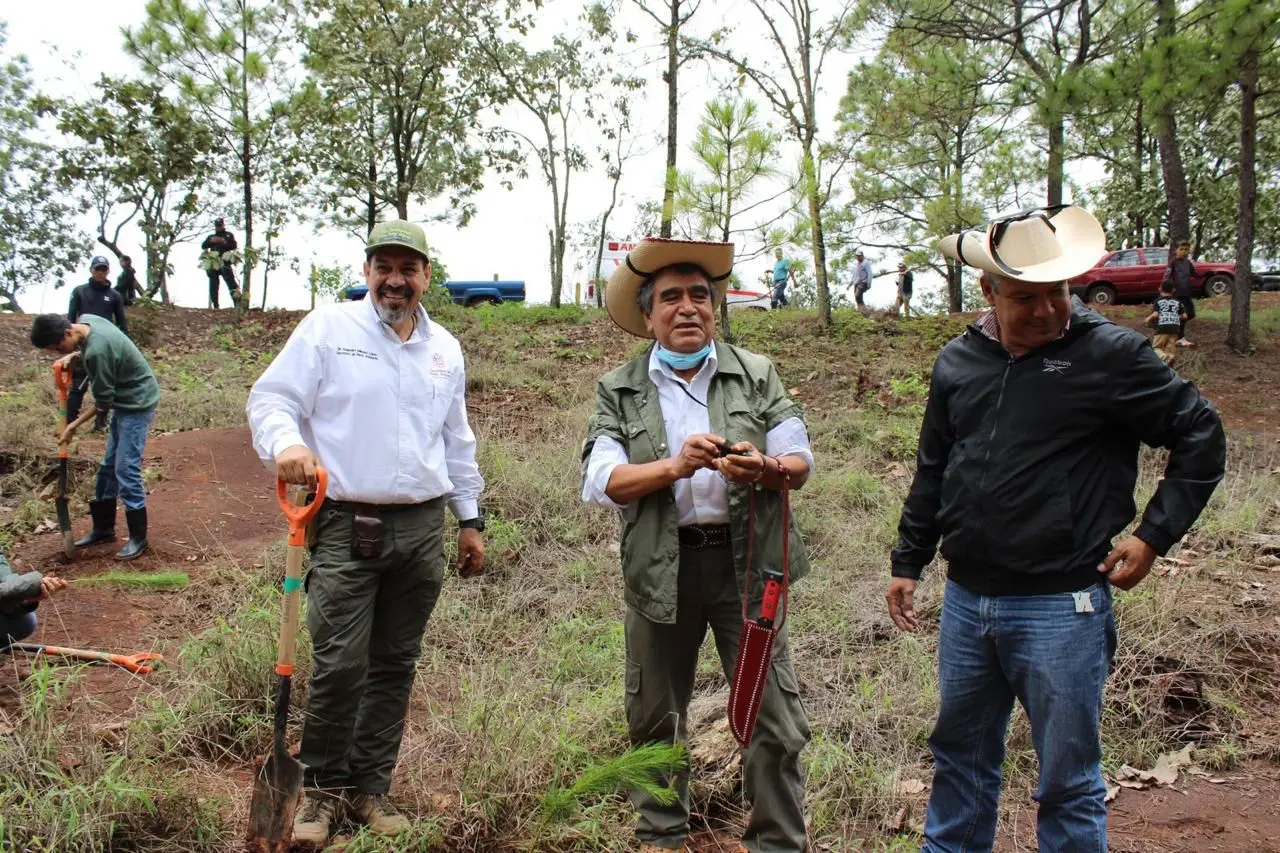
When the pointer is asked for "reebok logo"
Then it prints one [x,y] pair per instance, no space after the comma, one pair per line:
[1055,366]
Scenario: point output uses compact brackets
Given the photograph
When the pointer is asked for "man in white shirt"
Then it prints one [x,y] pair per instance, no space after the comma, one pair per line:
[683,440]
[375,392]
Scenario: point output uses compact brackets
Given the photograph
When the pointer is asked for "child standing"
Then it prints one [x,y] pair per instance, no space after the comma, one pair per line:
[1168,316]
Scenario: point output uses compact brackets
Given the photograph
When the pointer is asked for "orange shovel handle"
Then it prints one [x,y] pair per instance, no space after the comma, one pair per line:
[300,516]
[62,379]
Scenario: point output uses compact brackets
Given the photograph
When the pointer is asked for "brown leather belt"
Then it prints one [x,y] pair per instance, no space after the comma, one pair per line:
[699,537]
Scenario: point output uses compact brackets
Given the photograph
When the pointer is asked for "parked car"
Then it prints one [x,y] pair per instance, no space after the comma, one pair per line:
[1267,280]
[463,292]
[1134,275]
[745,298]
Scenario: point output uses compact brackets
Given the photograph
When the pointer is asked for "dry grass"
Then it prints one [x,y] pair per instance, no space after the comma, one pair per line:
[519,688]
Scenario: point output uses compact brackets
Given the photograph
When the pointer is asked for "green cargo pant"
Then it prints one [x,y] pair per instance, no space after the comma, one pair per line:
[366,619]
[662,661]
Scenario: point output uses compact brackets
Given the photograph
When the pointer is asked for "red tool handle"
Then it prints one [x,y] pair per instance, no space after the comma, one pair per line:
[772,594]
[62,379]
[300,516]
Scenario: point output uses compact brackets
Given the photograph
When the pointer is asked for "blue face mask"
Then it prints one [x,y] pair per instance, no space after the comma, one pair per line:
[682,360]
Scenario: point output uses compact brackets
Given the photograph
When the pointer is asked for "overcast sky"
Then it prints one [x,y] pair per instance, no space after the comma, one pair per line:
[508,236]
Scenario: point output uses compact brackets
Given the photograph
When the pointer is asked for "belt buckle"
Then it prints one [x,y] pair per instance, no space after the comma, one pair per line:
[702,538]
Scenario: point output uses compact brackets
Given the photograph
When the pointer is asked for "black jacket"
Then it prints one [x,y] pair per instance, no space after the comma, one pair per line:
[128,286]
[228,243]
[1027,466]
[99,299]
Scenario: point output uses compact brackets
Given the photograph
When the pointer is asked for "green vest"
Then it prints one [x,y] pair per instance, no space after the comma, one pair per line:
[745,401]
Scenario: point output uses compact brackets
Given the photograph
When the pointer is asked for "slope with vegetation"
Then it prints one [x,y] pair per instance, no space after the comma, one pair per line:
[516,725]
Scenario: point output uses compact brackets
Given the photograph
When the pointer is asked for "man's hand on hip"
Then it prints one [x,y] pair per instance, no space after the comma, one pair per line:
[296,465]
[1137,558]
[470,552]
[900,597]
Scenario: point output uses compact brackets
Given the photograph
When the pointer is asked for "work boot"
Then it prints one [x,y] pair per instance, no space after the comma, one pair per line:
[313,823]
[103,513]
[137,544]
[376,812]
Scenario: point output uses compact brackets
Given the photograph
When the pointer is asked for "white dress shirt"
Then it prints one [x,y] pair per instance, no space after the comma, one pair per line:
[387,418]
[704,497]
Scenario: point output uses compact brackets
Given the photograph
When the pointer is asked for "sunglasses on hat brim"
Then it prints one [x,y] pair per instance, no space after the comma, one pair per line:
[998,227]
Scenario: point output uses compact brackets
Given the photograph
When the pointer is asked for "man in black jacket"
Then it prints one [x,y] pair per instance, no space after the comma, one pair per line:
[221,241]
[1026,470]
[127,284]
[94,297]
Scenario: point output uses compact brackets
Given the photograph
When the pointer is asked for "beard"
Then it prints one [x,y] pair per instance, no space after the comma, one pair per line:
[389,315]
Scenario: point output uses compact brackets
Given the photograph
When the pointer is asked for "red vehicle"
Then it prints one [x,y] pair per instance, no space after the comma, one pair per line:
[1134,275]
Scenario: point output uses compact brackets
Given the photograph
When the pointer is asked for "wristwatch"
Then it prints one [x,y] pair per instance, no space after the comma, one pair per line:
[476,524]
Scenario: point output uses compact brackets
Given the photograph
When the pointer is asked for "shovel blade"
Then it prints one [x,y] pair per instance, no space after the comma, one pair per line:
[277,790]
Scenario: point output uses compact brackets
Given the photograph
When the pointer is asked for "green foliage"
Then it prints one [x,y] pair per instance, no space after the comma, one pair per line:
[39,239]
[389,111]
[141,155]
[642,768]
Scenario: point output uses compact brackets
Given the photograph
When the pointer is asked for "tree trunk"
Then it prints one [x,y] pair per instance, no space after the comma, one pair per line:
[110,244]
[1057,153]
[673,104]
[728,282]
[819,241]
[246,162]
[266,273]
[955,286]
[1175,178]
[1138,221]
[1238,330]
[9,302]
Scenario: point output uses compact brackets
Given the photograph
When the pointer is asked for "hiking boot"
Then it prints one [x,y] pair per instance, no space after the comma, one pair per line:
[314,822]
[376,812]
[137,544]
[104,523]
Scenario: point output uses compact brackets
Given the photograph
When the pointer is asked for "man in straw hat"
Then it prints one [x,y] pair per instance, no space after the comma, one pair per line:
[1027,464]
[680,438]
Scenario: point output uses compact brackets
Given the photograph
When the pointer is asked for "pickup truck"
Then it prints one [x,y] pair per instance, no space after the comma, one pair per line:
[463,292]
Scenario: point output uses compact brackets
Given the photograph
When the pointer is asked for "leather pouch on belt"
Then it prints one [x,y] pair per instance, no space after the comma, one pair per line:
[366,536]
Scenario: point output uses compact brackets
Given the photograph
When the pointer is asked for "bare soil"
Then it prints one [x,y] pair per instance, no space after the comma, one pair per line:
[215,503]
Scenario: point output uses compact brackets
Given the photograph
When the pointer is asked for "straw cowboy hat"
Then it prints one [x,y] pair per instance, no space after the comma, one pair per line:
[1040,245]
[648,257]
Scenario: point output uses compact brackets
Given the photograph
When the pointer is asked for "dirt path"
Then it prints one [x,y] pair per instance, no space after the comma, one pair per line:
[214,503]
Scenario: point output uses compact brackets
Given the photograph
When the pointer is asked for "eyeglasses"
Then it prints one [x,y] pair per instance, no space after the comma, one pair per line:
[996,230]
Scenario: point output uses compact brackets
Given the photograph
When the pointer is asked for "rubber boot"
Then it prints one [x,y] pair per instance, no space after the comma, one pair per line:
[137,544]
[104,523]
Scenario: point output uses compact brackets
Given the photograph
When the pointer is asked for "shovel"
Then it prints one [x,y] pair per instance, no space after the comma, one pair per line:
[755,645]
[62,378]
[278,785]
[139,663]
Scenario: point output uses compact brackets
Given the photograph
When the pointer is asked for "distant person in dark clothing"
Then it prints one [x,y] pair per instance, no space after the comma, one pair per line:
[1168,316]
[906,284]
[127,284]
[221,241]
[1179,273]
[94,297]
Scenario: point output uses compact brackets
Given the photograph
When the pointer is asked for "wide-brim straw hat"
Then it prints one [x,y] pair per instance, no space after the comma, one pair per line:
[1040,245]
[648,257]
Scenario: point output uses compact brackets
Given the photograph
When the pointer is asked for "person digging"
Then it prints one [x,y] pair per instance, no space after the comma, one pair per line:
[684,441]
[124,386]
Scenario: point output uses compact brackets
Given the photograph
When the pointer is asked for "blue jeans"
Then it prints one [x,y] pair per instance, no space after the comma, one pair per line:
[1052,653]
[120,473]
[779,296]
[15,627]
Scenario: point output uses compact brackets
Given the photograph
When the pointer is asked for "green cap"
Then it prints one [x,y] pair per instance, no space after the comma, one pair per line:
[399,233]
